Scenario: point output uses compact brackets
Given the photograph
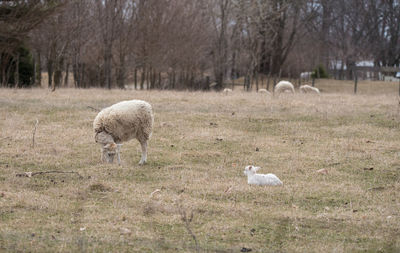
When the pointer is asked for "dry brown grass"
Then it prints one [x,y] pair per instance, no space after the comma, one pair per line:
[200,145]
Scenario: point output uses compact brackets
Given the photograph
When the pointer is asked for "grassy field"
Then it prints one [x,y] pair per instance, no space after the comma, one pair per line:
[200,145]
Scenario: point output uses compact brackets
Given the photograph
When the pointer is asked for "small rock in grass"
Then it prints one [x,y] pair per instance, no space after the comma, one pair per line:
[125,231]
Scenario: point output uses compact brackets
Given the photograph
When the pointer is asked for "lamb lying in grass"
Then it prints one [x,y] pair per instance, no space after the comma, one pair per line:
[260,179]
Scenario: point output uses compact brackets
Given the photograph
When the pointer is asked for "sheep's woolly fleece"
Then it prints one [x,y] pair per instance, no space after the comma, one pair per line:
[283,86]
[308,89]
[125,120]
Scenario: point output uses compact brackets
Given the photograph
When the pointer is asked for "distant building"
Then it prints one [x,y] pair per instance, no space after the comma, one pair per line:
[338,69]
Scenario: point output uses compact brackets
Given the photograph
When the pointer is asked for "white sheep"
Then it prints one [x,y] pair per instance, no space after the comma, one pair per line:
[122,122]
[284,86]
[308,89]
[264,91]
[305,75]
[260,179]
[227,90]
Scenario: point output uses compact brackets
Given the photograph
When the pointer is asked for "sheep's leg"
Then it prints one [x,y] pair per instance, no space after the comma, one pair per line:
[103,158]
[144,152]
[119,158]
[119,153]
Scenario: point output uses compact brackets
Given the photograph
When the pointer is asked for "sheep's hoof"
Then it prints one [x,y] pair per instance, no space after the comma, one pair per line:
[142,162]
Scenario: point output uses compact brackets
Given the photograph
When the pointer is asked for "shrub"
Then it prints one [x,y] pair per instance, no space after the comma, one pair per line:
[321,70]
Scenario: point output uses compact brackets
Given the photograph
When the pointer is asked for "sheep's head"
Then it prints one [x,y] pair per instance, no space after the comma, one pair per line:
[109,151]
[250,170]
[103,138]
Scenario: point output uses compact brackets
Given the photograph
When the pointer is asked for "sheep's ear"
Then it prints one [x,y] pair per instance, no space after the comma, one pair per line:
[103,138]
[249,167]
[256,168]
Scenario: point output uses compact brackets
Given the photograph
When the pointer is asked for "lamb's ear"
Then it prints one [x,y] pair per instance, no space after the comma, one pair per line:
[255,168]
[110,146]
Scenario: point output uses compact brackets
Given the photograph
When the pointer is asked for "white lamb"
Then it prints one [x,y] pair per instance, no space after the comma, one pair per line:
[122,122]
[227,90]
[308,89]
[260,179]
[284,86]
[264,91]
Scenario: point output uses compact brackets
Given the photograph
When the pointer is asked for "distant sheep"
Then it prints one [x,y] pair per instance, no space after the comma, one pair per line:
[284,86]
[264,91]
[227,90]
[122,122]
[260,179]
[308,89]
[305,75]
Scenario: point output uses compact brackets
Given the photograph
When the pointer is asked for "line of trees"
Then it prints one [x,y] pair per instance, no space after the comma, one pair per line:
[186,44]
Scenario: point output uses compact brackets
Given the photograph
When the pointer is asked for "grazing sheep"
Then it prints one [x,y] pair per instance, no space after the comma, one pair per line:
[227,90]
[122,122]
[284,86]
[260,179]
[264,91]
[308,89]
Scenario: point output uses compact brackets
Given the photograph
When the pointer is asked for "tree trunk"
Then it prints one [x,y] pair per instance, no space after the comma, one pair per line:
[324,54]
[121,72]
[159,81]
[142,78]
[135,78]
[173,79]
[256,80]
[66,75]
[58,74]
[16,74]
[107,67]
[50,66]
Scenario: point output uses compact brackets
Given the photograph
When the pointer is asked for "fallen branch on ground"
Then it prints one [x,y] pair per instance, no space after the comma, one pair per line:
[31,174]
[94,109]
[187,220]
[33,133]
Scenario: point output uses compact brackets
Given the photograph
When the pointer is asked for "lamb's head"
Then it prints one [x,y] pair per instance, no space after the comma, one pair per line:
[109,151]
[250,170]
[108,147]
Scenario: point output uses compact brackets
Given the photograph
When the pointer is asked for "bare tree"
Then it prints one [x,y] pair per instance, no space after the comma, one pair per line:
[17,19]
[107,13]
